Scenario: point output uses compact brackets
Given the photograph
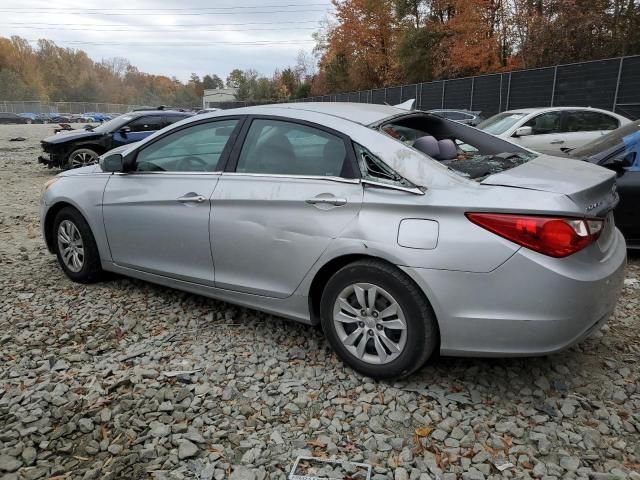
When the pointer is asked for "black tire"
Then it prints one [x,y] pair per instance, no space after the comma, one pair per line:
[422,335]
[91,270]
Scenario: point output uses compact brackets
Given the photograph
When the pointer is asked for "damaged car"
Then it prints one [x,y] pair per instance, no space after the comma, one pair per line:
[620,151]
[80,147]
[402,233]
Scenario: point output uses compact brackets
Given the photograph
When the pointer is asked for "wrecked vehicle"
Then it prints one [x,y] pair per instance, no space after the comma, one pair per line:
[80,147]
[400,232]
[620,151]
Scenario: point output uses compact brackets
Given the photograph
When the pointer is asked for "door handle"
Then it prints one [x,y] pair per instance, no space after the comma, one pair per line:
[336,202]
[191,198]
[557,142]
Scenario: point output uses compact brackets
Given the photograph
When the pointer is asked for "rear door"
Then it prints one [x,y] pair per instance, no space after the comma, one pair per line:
[583,126]
[290,188]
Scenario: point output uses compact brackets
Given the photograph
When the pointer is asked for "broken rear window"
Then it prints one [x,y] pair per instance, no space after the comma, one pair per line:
[466,150]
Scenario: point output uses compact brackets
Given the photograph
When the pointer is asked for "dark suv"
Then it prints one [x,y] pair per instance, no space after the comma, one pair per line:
[77,148]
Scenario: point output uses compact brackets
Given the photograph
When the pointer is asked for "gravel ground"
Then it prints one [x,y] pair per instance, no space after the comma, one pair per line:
[125,379]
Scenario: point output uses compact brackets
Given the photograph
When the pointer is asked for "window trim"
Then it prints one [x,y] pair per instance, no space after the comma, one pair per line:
[232,160]
[223,156]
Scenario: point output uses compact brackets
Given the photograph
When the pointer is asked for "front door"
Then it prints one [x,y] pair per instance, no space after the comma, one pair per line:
[547,136]
[292,189]
[157,216]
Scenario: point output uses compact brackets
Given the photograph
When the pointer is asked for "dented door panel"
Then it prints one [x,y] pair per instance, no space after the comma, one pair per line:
[268,230]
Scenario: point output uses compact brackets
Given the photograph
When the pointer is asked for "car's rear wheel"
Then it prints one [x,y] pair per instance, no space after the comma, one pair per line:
[81,158]
[378,320]
[75,246]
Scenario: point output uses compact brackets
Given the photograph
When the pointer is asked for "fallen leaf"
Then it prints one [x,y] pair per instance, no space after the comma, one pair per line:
[423,431]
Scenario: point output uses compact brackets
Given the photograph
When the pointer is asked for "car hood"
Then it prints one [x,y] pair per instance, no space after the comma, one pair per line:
[591,187]
[71,136]
[90,169]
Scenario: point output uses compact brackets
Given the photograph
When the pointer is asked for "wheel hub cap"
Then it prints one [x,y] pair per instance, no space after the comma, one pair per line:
[370,323]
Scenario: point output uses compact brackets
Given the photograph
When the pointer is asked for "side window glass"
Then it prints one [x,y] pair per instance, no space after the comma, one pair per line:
[285,148]
[146,124]
[194,149]
[590,122]
[545,123]
[169,119]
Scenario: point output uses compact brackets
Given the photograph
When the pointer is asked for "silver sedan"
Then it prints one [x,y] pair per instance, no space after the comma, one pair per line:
[400,232]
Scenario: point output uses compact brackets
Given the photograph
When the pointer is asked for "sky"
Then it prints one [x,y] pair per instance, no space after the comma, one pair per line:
[174,38]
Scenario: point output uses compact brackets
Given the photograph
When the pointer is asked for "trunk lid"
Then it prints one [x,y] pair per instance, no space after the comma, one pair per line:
[591,187]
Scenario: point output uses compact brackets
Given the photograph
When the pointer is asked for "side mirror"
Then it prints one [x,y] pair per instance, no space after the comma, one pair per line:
[523,132]
[620,162]
[124,131]
[112,163]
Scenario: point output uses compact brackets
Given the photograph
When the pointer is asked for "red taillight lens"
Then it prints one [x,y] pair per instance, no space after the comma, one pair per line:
[553,236]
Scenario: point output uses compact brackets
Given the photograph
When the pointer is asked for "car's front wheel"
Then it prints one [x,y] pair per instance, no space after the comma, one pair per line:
[75,246]
[378,320]
[81,158]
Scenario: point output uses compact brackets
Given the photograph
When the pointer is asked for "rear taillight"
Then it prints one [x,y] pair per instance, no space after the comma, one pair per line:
[553,236]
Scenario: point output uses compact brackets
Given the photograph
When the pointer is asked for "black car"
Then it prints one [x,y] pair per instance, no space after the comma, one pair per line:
[77,148]
[8,117]
[620,151]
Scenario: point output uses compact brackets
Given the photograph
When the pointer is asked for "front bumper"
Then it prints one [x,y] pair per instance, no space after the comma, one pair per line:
[51,159]
[530,305]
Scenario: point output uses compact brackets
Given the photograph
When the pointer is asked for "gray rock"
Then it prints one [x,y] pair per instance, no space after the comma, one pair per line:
[9,464]
[186,449]
[242,473]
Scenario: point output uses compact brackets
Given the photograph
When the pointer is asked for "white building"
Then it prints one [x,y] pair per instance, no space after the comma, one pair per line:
[214,96]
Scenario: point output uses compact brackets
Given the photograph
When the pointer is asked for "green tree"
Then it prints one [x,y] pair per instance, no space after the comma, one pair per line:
[236,78]
[212,81]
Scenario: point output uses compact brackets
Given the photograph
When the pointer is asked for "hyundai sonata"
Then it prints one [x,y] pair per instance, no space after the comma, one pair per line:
[400,232]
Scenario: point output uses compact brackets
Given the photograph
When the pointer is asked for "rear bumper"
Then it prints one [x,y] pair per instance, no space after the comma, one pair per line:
[530,305]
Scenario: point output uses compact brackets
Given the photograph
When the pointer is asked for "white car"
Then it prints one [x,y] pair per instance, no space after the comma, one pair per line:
[553,129]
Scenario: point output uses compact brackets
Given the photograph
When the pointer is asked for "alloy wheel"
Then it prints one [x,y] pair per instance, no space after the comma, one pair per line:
[70,246]
[82,159]
[370,323]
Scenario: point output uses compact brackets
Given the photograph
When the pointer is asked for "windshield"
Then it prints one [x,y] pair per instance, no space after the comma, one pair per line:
[114,125]
[606,142]
[501,122]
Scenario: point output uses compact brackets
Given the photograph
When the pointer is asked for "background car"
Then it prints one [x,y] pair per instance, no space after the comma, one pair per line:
[550,130]
[462,116]
[9,117]
[30,117]
[620,151]
[77,148]
[336,214]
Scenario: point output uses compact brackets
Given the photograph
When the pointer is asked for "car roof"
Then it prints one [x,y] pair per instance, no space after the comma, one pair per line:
[140,113]
[544,109]
[362,113]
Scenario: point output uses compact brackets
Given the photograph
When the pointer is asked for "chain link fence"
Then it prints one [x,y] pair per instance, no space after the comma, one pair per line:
[64,107]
